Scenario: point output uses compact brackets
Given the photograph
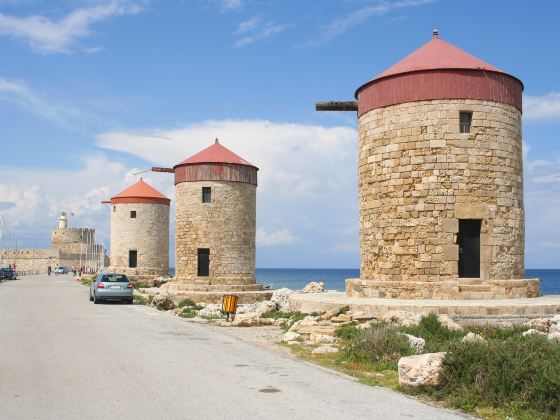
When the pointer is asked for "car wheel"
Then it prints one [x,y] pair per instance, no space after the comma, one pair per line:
[90,298]
[130,301]
[95,300]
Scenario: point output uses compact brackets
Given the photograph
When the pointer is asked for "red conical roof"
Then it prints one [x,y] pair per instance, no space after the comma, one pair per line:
[215,154]
[141,192]
[437,54]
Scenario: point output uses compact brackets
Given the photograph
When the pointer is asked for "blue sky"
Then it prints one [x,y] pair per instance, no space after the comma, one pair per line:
[93,91]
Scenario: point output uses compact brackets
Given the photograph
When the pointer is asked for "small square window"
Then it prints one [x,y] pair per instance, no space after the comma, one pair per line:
[465,120]
[206,194]
[132,258]
[133,214]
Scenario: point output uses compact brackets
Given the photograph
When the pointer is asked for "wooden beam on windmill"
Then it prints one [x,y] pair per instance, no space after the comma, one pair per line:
[336,106]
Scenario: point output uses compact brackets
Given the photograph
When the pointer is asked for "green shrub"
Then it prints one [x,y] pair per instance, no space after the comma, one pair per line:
[438,337]
[190,313]
[519,371]
[294,317]
[378,346]
[347,332]
[344,310]
[276,314]
[189,303]
[141,300]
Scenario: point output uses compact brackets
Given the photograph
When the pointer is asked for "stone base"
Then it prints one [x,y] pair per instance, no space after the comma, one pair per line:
[146,277]
[511,309]
[458,289]
[213,293]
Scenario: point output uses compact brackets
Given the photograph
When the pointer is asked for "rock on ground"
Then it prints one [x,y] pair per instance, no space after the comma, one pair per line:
[554,336]
[421,370]
[322,338]
[473,338]
[416,343]
[541,324]
[211,310]
[532,331]
[314,287]
[163,302]
[258,308]
[281,297]
[324,349]
[250,320]
[449,323]
[403,318]
[290,336]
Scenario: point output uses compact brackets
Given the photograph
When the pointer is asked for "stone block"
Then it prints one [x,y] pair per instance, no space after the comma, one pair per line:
[450,225]
[470,210]
[451,252]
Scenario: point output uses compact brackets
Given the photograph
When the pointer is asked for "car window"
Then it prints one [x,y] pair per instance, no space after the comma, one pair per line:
[114,278]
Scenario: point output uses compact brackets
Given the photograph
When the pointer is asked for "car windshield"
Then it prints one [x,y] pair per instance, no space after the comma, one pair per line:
[114,278]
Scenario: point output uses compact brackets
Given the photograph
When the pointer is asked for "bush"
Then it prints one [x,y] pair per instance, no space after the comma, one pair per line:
[276,314]
[347,332]
[189,303]
[190,313]
[438,337]
[523,372]
[379,346]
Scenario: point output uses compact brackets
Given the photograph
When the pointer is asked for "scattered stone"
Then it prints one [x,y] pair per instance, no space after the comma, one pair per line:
[421,370]
[473,338]
[553,336]
[541,324]
[314,287]
[532,331]
[281,297]
[555,319]
[324,349]
[342,318]
[163,302]
[416,343]
[291,343]
[446,321]
[290,336]
[366,324]
[403,318]
[308,321]
[324,330]
[258,308]
[211,310]
[363,316]
[250,320]
[329,314]
[554,328]
[322,338]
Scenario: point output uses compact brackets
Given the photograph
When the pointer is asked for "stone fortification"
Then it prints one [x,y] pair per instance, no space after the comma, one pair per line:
[147,233]
[418,177]
[226,226]
[30,260]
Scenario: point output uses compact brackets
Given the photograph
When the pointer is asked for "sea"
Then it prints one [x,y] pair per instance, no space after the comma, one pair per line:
[297,278]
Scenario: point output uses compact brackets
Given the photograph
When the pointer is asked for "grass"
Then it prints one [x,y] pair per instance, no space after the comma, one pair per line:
[508,376]
[189,303]
[277,315]
[143,300]
[190,313]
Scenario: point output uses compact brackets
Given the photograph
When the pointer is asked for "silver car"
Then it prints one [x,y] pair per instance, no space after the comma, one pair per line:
[111,286]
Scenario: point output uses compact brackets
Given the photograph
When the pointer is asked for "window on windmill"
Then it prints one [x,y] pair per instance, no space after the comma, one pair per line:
[132,258]
[206,194]
[133,214]
[465,120]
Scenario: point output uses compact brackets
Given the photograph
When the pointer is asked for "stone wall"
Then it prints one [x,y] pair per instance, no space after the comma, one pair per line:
[226,226]
[30,260]
[418,175]
[148,234]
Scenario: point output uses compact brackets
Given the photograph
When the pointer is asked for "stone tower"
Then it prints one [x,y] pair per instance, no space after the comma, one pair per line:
[215,226]
[140,233]
[440,180]
[63,221]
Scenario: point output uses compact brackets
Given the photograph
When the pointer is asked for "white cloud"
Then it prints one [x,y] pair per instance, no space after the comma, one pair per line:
[255,29]
[32,199]
[229,5]
[541,108]
[274,237]
[358,17]
[19,93]
[48,36]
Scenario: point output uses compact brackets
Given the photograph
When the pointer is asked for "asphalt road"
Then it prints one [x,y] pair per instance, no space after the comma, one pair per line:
[62,357]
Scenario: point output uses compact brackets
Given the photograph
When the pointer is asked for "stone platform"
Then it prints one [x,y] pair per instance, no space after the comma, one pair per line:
[543,306]
[212,293]
[453,289]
